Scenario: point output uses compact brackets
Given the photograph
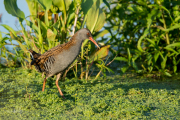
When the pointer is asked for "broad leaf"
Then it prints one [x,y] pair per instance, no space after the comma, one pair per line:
[101,20]
[12,8]
[62,4]
[50,35]
[92,16]
[86,5]
[46,4]
[103,52]
[51,38]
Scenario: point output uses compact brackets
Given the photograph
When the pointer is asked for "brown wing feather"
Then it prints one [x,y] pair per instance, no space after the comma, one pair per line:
[54,51]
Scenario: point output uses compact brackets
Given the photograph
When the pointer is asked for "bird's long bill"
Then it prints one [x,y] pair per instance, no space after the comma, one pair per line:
[90,38]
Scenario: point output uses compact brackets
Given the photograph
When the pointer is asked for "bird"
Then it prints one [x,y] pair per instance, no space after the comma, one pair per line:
[57,59]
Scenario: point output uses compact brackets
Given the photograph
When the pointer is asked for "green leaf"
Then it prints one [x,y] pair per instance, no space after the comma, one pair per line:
[176,26]
[175,65]
[129,54]
[70,17]
[2,40]
[156,56]
[134,65]
[124,68]
[174,68]
[9,29]
[167,74]
[151,16]
[32,7]
[42,26]
[177,19]
[163,63]
[50,35]
[174,61]
[149,59]
[141,38]
[153,43]
[109,70]
[101,53]
[32,25]
[101,34]
[62,4]
[51,38]
[40,34]
[12,8]
[107,4]
[46,4]
[23,47]
[100,21]
[86,5]
[167,12]
[173,45]
[68,3]
[121,59]
[0,35]
[171,49]
[92,16]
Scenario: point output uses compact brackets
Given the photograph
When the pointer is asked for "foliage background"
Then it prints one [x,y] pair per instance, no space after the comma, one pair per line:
[137,35]
[144,34]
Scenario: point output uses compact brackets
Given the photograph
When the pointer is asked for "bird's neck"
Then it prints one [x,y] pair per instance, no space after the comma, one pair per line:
[75,41]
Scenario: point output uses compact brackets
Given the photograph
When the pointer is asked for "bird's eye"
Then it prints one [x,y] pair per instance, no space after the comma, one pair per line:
[88,34]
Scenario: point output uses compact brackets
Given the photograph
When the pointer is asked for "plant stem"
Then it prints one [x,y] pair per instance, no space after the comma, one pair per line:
[24,32]
[75,21]
[165,27]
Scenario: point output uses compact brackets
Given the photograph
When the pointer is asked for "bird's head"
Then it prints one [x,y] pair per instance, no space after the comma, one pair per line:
[84,34]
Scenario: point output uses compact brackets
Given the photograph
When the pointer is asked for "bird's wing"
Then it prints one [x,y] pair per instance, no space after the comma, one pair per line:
[54,51]
[44,57]
[48,55]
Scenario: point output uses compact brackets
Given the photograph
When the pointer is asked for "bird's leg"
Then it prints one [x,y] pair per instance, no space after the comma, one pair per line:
[58,77]
[42,74]
[44,83]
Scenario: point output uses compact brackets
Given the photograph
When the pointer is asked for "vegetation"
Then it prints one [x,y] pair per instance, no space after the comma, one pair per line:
[146,34]
[141,35]
[117,97]
[51,24]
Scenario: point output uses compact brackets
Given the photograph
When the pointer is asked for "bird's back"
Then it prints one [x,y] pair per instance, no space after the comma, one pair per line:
[57,59]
